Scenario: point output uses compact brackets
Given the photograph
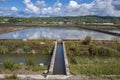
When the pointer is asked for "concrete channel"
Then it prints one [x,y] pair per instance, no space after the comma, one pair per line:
[59,66]
[59,62]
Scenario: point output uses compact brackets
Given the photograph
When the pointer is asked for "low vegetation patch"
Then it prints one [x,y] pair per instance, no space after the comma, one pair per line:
[23,56]
[42,46]
[93,58]
[11,77]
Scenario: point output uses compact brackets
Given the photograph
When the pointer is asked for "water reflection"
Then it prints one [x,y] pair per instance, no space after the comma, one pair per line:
[55,33]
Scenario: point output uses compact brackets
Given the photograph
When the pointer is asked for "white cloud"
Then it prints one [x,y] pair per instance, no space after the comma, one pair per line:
[54,10]
[48,10]
[73,5]
[96,7]
[41,3]
[57,4]
[116,4]
[31,7]
[73,8]
[14,9]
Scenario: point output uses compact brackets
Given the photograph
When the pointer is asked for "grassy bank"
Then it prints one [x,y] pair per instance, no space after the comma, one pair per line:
[95,58]
[25,56]
[10,29]
[26,46]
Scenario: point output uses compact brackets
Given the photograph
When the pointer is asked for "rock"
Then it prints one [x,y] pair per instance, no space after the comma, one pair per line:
[1,63]
[45,72]
[19,51]
[21,63]
[33,52]
[41,64]
[24,39]
[42,42]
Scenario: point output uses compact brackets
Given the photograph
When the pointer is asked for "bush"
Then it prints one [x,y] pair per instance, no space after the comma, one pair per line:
[27,48]
[101,51]
[30,61]
[87,40]
[74,47]
[11,77]
[16,66]
[75,60]
[8,65]
[3,49]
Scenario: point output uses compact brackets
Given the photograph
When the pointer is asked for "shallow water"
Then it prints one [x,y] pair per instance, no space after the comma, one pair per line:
[59,66]
[45,59]
[55,33]
[115,30]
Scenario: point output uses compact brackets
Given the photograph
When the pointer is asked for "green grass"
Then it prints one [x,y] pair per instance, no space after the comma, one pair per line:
[14,52]
[39,68]
[26,47]
[95,66]
[82,62]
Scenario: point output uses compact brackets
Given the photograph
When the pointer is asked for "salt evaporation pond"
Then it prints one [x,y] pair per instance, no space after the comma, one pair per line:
[55,33]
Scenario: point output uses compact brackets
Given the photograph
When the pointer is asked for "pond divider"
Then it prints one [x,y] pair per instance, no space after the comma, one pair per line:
[66,60]
[50,71]
[102,31]
[59,61]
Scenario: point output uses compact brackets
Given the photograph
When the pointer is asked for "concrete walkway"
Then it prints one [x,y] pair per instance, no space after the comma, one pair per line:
[36,77]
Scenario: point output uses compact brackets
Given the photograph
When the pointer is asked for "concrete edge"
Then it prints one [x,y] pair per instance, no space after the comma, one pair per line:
[50,71]
[66,60]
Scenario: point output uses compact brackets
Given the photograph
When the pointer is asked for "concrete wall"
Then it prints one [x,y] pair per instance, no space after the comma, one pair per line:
[50,71]
[102,31]
[66,60]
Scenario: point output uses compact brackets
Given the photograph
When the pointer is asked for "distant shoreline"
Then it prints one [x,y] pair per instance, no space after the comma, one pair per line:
[10,27]
[59,25]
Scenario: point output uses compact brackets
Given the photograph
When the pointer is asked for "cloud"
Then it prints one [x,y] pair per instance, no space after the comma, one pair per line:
[116,4]
[73,5]
[73,8]
[57,4]
[47,10]
[55,9]
[96,7]
[31,7]
[14,9]
[41,3]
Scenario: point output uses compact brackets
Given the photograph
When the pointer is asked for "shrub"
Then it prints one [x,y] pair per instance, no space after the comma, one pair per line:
[101,51]
[16,66]
[3,49]
[87,40]
[27,48]
[30,61]
[11,77]
[74,47]
[75,60]
[8,65]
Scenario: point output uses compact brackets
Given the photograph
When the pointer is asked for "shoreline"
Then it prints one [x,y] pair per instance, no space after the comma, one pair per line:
[4,30]
[59,25]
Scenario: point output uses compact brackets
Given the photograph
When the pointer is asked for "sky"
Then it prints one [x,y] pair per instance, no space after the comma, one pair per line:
[46,8]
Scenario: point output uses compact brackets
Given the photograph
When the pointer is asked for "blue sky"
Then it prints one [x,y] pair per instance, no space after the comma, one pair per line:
[39,8]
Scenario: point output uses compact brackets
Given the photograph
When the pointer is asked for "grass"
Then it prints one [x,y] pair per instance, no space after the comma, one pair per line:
[95,66]
[29,53]
[39,68]
[81,61]
[26,47]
